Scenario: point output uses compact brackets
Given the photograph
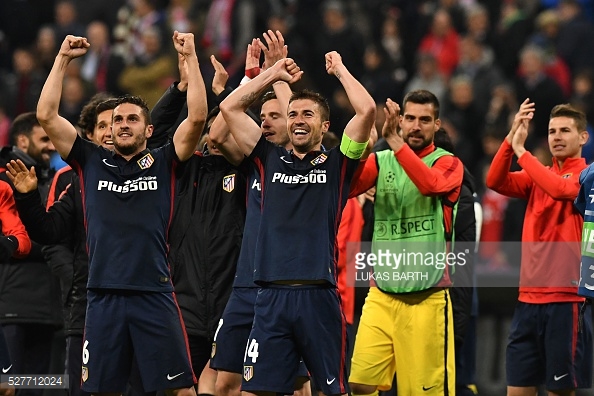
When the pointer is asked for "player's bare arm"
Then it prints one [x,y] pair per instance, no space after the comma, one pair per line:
[188,133]
[182,86]
[275,50]
[245,131]
[219,131]
[359,126]
[61,132]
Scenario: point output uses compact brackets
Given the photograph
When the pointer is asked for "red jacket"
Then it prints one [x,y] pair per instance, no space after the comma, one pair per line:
[11,222]
[552,230]
[349,240]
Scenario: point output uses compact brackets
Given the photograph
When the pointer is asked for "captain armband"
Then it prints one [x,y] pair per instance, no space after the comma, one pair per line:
[350,148]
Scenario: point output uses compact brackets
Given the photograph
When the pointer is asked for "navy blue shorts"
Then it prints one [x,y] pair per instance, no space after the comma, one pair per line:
[547,346]
[147,326]
[295,321]
[234,330]
[5,362]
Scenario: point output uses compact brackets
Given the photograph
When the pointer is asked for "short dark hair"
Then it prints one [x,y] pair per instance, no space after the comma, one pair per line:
[422,96]
[567,110]
[138,101]
[270,95]
[314,97]
[23,124]
[88,114]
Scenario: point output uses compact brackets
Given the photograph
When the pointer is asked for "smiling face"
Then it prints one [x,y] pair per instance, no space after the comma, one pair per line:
[37,145]
[130,130]
[418,124]
[102,133]
[565,139]
[274,123]
[305,125]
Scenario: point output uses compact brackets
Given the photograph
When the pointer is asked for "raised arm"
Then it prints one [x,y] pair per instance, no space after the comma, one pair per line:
[359,126]
[188,133]
[219,131]
[61,132]
[166,115]
[244,130]
[275,50]
[499,177]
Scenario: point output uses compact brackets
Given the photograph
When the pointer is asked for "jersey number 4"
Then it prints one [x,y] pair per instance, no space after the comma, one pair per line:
[251,351]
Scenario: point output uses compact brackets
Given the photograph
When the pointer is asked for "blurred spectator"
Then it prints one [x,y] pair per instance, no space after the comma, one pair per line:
[479,28]
[338,34]
[74,98]
[427,77]
[583,94]
[502,107]
[21,88]
[178,15]
[299,49]
[342,112]
[583,99]
[66,17]
[229,25]
[45,48]
[378,78]
[135,18]
[393,45]
[5,122]
[99,10]
[477,65]
[545,37]
[443,42]
[101,67]
[457,14]
[541,89]
[587,6]
[152,72]
[465,122]
[575,41]
[511,34]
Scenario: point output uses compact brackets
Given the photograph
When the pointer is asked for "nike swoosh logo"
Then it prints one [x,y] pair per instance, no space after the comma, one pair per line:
[559,377]
[105,162]
[288,162]
[170,377]
[5,370]
[330,382]
[431,387]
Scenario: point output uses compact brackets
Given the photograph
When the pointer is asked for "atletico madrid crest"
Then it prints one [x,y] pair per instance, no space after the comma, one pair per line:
[320,159]
[229,183]
[146,161]
[248,372]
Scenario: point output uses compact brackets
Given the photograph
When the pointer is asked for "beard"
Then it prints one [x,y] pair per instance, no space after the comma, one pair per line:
[418,146]
[129,148]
